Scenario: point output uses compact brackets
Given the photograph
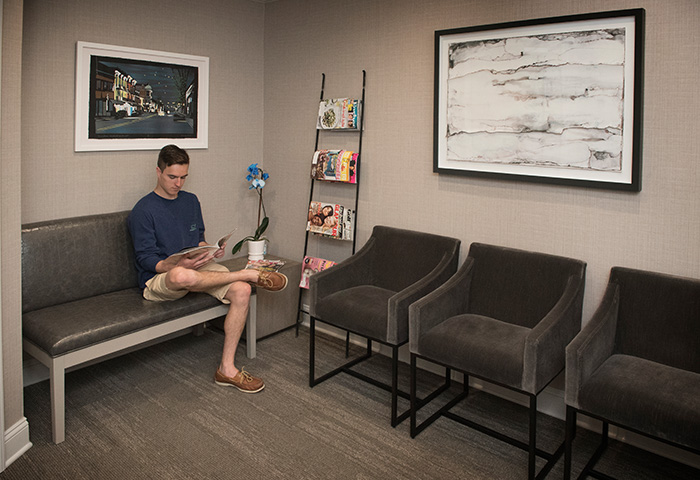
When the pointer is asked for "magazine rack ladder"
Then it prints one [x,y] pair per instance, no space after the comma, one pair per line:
[358,168]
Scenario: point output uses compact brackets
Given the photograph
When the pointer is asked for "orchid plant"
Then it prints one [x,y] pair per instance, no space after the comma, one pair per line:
[257,177]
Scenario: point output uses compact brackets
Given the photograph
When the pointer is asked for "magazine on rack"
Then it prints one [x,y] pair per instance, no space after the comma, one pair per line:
[311,266]
[334,166]
[348,222]
[328,219]
[339,113]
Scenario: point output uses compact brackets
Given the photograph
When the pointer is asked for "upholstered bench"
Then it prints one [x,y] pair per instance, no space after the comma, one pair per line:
[81,300]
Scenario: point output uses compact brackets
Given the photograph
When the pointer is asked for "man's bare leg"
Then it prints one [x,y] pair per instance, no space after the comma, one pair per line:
[239,296]
[227,374]
[195,281]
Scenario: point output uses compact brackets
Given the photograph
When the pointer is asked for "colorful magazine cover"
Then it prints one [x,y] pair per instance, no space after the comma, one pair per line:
[324,165]
[334,166]
[339,113]
[265,265]
[311,266]
[348,222]
[325,219]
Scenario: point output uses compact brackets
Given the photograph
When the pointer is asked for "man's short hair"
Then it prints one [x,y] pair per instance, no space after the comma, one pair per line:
[172,155]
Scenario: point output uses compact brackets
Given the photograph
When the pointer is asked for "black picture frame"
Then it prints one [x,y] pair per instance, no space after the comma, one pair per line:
[552,100]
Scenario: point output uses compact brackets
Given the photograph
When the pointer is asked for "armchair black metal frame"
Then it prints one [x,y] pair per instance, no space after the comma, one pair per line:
[636,363]
[505,317]
[369,294]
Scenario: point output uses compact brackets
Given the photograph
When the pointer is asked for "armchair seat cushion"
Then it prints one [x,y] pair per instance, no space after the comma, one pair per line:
[470,343]
[647,396]
[362,310]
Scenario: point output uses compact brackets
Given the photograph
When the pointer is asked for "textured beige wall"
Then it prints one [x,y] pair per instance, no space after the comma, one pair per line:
[58,182]
[289,43]
[657,229]
[10,155]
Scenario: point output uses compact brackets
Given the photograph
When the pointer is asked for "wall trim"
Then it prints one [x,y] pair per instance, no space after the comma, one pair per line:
[16,441]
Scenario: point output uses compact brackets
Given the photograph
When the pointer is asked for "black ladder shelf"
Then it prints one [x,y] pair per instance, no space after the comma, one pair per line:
[356,185]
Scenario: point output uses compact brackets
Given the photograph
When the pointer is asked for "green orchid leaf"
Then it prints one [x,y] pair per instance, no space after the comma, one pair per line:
[237,247]
[261,229]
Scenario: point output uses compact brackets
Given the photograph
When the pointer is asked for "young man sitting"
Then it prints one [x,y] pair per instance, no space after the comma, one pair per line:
[169,219]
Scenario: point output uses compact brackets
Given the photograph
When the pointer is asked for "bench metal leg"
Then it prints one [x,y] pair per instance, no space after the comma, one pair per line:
[251,333]
[57,372]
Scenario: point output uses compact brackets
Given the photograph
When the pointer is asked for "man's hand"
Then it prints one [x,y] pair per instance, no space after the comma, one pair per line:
[197,261]
[220,252]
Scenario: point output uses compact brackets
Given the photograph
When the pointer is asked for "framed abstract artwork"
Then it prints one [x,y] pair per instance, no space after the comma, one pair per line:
[135,99]
[556,100]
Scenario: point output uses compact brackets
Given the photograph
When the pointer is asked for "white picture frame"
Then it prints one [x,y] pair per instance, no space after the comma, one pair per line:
[136,99]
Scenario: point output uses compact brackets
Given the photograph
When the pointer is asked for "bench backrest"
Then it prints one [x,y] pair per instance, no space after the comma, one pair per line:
[74,258]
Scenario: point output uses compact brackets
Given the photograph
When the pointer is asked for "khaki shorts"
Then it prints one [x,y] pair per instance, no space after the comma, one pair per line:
[156,290]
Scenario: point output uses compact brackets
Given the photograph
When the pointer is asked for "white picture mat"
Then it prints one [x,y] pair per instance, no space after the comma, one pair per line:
[84,53]
[624,176]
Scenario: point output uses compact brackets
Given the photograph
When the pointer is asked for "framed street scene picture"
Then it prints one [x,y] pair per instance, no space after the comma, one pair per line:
[135,99]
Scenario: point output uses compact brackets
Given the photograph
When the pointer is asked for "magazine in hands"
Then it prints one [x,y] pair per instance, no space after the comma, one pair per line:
[191,252]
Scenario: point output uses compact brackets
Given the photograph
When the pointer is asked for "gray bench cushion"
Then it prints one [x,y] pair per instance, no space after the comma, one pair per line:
[60,329]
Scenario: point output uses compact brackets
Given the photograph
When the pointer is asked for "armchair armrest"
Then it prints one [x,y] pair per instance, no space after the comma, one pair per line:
[448,300]
[400,303]
[351,272]
[594,345]
[545,345]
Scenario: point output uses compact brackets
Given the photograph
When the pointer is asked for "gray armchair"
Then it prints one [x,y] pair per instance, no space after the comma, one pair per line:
[369,294]
[506,317]
[636,363]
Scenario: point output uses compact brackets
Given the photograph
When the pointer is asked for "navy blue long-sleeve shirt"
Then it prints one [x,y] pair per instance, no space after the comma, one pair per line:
[160,227]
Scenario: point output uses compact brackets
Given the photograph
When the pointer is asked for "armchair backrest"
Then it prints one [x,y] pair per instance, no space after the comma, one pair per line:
[658,317]
[518,286]
[402,257]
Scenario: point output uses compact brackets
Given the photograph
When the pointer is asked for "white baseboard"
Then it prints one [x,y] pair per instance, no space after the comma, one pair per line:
[550,401]
[16,441]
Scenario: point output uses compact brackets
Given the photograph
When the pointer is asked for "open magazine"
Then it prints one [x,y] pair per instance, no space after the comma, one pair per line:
[192,252]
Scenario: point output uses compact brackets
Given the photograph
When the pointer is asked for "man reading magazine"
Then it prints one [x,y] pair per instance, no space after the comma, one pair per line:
[169,219]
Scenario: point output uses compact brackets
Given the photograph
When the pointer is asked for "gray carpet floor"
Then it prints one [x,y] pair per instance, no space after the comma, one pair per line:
[157,414]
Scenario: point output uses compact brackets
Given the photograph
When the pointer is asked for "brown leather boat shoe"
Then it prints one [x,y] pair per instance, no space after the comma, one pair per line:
[272,281]
[243,381]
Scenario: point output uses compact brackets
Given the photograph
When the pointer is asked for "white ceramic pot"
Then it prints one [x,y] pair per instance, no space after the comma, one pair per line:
[256,249]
